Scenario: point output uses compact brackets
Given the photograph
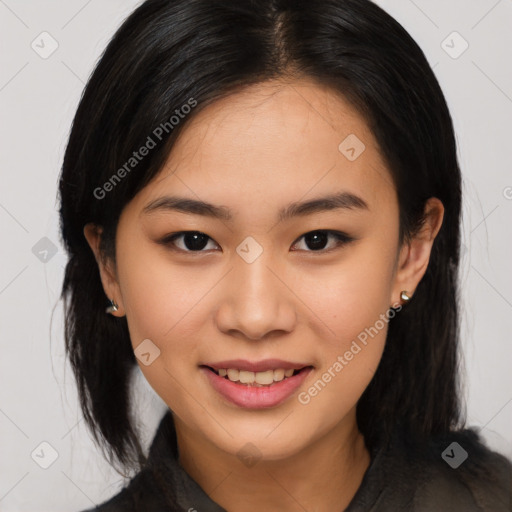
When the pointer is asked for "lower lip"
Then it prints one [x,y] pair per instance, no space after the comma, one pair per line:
[252,397]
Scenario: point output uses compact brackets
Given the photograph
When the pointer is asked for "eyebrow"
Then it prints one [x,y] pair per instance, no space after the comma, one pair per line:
[342,200]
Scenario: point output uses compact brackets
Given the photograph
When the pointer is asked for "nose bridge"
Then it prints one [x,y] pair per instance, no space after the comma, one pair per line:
[256,301]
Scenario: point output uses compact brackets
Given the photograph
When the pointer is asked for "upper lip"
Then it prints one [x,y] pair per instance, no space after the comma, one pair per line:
[256,366]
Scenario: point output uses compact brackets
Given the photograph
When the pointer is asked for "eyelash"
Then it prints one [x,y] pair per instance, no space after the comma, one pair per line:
[341,238]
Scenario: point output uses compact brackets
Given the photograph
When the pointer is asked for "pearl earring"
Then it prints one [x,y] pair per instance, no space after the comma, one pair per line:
[405,296]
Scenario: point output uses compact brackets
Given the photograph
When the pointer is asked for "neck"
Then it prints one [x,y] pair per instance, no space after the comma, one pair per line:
[325,475]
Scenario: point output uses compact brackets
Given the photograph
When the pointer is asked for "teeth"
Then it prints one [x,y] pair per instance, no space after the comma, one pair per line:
[264,377]
[233,374]
[279,375]
[246,377]
[255,378]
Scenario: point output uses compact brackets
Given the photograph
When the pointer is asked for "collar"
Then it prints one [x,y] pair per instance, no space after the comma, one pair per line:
[178,486]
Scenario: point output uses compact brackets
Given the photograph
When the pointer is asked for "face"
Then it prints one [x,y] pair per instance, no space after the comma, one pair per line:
[294,267]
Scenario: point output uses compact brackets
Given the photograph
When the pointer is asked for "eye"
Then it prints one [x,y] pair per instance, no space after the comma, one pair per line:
[317,240]
[193,241]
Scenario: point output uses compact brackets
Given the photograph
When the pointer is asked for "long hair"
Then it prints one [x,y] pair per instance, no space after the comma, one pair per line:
[172,53]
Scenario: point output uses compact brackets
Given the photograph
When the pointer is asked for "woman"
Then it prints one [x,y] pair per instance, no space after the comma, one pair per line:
[261,204]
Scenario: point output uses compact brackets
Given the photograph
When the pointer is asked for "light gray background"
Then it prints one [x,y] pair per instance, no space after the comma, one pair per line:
[38,98]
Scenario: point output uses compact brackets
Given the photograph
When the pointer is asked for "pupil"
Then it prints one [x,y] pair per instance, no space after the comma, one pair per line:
[316,240]
[195,241]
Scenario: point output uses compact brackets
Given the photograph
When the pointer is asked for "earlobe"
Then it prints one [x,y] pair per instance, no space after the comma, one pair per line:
[109,282]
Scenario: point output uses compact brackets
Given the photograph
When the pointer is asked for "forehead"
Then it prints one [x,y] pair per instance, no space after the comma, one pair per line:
[274,143]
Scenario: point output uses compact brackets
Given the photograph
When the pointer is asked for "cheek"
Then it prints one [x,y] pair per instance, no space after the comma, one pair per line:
[352,300]
[160,298]
[338,386]
[163,304]
[350,296]
[357,312]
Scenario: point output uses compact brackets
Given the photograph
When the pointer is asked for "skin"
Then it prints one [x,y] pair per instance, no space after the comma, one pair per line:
[256,152]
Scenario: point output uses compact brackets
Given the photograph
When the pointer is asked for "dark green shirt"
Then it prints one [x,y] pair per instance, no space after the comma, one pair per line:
[400,477]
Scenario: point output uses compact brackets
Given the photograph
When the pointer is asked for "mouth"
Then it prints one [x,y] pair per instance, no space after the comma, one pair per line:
[264,378]
[271,385]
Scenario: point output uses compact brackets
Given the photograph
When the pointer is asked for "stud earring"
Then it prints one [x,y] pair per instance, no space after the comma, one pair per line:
[113,307]
[405,297]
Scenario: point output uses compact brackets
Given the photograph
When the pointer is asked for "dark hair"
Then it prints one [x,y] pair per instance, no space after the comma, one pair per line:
[170,53]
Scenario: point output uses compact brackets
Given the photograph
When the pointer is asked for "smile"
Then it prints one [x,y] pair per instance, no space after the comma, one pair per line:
[255,390]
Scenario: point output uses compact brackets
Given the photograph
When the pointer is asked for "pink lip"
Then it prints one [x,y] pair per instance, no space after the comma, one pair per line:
[256,366]
[252,397]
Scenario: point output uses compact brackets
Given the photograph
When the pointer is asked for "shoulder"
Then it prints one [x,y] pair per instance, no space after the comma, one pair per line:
[161,484]
[141,493]
[460,473]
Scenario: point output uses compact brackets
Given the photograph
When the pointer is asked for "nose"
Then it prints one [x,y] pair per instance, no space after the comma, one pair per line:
[256,302]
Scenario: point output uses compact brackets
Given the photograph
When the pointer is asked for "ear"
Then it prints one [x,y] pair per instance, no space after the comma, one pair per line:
[93,233]
[415,254]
